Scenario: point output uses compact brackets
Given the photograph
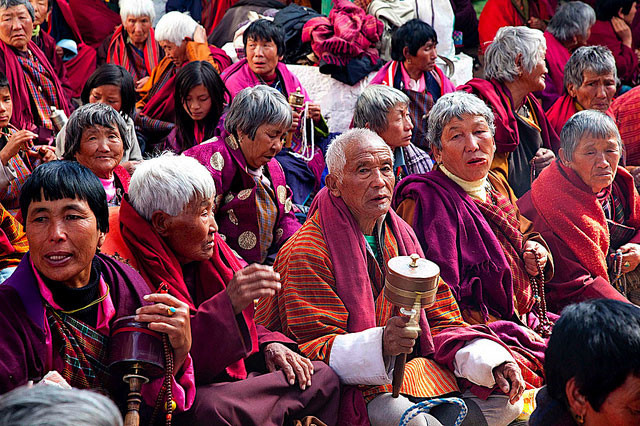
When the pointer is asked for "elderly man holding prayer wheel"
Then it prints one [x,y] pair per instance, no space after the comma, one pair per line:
[467,222]
[333,271]
[60,307]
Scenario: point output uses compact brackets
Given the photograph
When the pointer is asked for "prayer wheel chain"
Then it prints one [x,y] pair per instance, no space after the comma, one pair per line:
[165,393]
[537,286]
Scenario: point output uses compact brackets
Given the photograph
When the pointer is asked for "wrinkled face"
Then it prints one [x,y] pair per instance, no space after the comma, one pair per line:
[595,160]
[101,150]
[595,92]
[137,29]
[63,237]
[425,57]
[622,406]
[177,54]
[16,27]
[367,181]
[266,144]
[6,107]
[262,57]
[535,79]
[191,234]
[41,7]
[197,103]
[109,94]
[467,147]
[399,126]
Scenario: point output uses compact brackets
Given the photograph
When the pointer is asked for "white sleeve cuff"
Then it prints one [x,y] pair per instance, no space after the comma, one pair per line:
[7,175]
[477,359]
[357,358]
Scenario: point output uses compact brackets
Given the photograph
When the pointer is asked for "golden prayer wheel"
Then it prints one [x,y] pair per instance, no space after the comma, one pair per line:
[296,100]
[411,284]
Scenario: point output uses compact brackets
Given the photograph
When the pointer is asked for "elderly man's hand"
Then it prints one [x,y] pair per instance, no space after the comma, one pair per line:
[533,250]
[253,282]
[542,159]
[171,316]
[509,380]
[278,357]
[397,338]
[630,257]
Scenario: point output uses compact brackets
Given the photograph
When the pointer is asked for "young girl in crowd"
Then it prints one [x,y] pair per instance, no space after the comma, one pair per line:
[199,96]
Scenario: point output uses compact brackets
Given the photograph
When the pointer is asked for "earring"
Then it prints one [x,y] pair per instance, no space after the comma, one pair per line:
[579,418]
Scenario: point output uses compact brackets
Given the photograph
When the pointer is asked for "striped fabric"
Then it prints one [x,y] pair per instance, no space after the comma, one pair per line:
[15,236]
[83,349]
[10,196]
[308,310]
[267,215]
[41,88]
[416,160]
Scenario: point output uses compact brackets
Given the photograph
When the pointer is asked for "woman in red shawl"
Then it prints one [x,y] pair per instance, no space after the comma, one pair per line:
[587,208]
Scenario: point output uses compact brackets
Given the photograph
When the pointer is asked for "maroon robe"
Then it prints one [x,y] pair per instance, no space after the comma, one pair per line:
[602,33]
[557,57]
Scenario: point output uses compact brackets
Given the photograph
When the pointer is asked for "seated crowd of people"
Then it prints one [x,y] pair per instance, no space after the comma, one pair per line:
[200,194]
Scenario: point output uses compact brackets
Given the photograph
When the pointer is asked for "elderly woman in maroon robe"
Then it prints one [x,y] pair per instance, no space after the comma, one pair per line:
[569,29]
[515,67]
[35,86]
[303,163]
[254,209]
[590,79]
[246,374]
[60,304]
[466,220]
[600,214]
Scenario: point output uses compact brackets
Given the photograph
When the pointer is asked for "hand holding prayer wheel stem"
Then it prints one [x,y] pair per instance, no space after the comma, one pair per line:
[397,338]
[253,282]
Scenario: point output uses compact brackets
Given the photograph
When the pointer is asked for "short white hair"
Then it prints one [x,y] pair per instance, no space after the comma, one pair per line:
[174,27]
[169,183]
[509,42]
[137,9]
[336,157]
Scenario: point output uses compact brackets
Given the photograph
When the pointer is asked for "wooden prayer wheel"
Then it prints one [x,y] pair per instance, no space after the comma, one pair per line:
[135,354]
[411,284]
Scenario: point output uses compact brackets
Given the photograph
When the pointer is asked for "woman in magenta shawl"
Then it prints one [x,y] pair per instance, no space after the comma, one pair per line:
[414,71]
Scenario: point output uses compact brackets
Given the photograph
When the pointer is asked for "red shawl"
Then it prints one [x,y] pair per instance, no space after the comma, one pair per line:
[158,264]
[626,113]
[498,97]
[581,222]
[117,53]
[562,110]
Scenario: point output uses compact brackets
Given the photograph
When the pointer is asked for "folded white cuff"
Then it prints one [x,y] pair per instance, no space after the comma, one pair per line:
[477,359]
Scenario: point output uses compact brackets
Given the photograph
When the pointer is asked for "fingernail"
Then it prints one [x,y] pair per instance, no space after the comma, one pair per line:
[137,318]
[303,387]
[138,311]
[291,381]
[146,297]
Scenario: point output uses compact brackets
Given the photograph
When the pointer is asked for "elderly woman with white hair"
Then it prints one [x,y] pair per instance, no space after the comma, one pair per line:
[515,67]
[590,79]
[465,217]
[568,30]
[168,223]
[385,110]
[133,44]
[254,206]
[179,36]
[595,236]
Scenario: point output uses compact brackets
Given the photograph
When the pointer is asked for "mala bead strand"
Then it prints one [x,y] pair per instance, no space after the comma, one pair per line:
[537,286]
[165,393]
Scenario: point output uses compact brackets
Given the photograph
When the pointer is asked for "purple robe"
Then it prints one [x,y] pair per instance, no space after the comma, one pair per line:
[236,210]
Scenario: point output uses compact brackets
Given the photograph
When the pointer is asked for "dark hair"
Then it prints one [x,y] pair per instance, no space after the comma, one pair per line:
[4,82]
[91,115]
[117,76]
[265,30]
[596,342]
[191,75]
[56,180]
[413,34]
[607,9]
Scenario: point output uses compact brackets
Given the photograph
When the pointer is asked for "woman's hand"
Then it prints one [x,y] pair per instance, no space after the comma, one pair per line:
[296,119]
[171,316]
[140,83]
[22,139]
[542,159]
[278,357]
[315,113]
[532,251]
[253,282]
[622,30]
[630,257]
[45,153]
[537,24]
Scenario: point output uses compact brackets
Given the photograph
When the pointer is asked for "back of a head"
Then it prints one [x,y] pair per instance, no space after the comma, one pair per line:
[572,19]
[174,27]
[596,342]
[53,406]
[509,42]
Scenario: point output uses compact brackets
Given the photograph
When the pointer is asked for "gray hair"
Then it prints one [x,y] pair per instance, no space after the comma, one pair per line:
[137,9]
[597,59]
[6,4]
[455,105]
[509,43]
[587,123]
[254,106]
[174,27]
[373,105]
[572,19]
[169,183]
[91,115]
[336,153]
[50,405]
